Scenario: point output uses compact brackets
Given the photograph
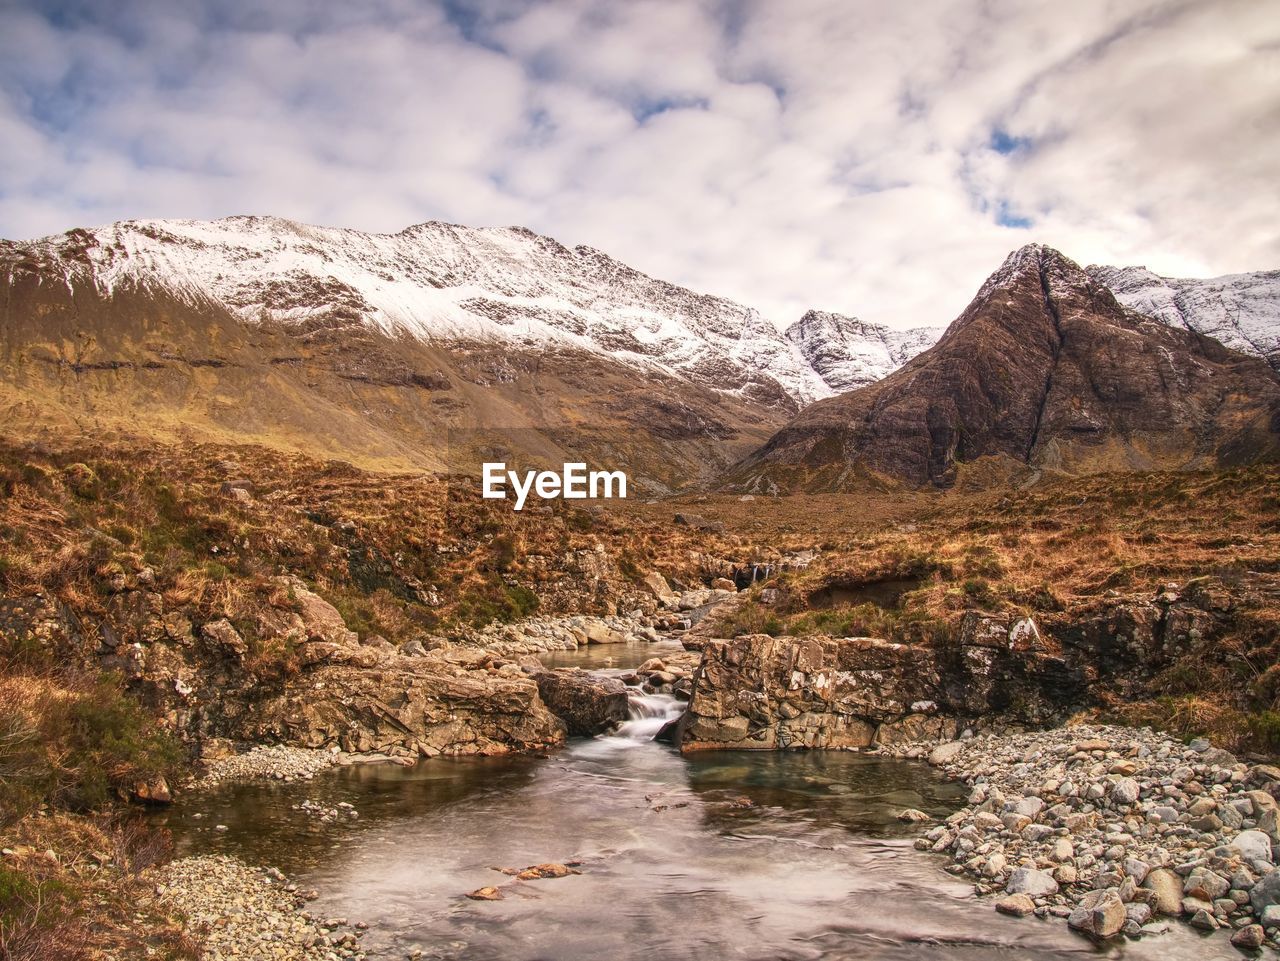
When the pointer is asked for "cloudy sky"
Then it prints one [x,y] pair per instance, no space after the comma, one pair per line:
[875,157]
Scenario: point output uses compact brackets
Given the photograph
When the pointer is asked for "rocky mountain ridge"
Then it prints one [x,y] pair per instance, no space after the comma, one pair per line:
[1044,369]
[445,284]
[848,353]
[1240,310]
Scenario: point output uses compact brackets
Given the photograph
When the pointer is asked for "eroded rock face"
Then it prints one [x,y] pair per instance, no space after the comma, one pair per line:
[451,704]
[588,704]
[765,693]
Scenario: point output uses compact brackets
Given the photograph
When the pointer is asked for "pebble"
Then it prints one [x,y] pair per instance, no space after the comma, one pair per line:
[235,911]
[271,762]
[1110,827]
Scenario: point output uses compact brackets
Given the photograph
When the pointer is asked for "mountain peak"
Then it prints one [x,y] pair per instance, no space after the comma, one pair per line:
[441,283]
[1043,369]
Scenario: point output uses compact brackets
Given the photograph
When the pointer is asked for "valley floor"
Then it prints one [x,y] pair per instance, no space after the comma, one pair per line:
[163,608]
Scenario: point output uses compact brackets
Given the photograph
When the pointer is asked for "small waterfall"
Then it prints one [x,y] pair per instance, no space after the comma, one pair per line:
[648,713]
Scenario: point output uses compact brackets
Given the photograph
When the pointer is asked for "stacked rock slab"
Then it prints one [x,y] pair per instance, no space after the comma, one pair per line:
[766,693]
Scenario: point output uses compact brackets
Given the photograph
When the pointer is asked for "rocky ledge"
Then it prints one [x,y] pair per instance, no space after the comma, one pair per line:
[235,911]
[1113,829]
[757,692]
[535,635]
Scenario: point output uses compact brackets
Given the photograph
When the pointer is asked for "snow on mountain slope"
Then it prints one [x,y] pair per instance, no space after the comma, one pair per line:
[444,283]
[848,353]
[1240,310]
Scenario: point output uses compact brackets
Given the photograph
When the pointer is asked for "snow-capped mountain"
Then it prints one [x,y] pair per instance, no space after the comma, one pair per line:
[1240,310]
[848,353]
[441,283]
[1044,371]
[397,348]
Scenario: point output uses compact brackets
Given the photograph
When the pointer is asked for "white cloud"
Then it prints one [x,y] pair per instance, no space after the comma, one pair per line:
[854,156]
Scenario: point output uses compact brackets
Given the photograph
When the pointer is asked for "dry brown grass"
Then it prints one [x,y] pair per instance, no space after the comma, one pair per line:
[1058,548]
[74,890]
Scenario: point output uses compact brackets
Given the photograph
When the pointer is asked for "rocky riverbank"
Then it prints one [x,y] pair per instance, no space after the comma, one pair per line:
[537,635]
[271,762]
[1114,830]
[235,911]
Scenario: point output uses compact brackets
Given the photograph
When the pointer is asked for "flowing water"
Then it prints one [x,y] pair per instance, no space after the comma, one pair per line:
[719,856]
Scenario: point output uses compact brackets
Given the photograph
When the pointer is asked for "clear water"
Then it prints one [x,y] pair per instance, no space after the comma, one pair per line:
[593,657]
[717,856]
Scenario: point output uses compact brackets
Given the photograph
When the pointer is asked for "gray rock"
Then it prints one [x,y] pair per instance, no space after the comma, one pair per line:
[1253,845]
[1100,914]
[1030,881]
[945,752]
[1265,893]
[1125,791]
[1204,920]
[1249,938]
[1028,807]
[1206,885]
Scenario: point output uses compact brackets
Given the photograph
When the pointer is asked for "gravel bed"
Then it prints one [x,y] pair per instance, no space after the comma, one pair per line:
[277,762]
[1116,830]
[250,914]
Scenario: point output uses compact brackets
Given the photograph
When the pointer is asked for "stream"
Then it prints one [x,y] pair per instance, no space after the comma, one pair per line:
[717,856]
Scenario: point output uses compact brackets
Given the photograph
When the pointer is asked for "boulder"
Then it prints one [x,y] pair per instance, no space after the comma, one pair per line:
[442,703]
[1205,886]
[153,791]
[1166,888]
[1249,938]
[222,634]
[320,619]
[1016,905]
[587,703]
[1266,892]
[598,632]
[698,522]
[1125,792]
[945,752]
[1100,914]
[659,588]
[1032,882]
[913,815]
[1253,845]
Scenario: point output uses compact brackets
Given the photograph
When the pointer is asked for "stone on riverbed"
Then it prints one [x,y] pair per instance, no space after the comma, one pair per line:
[539,872]
[1016,905]
[1265,893]
[211,890]
[1183,830]
[1030,881]
[488,893]
[1253,845]
[1099,913]
[945,752]
[1249,938]
[587,703]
